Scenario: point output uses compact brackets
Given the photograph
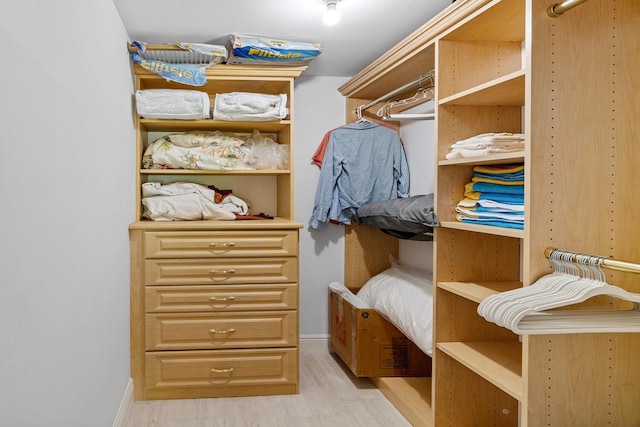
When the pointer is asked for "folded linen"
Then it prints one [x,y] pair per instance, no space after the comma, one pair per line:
[187,201]
[499,169]
[245,106]
[498,181]
[460,153]
[497,197]
[491,204]
[177,104]
[492,222]
[486,187]
[491,138]
[488,214]
[486,144]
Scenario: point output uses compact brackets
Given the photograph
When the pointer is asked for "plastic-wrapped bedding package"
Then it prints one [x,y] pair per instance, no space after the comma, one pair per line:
[177,104]
[247,106]
[248,49]
[188,62]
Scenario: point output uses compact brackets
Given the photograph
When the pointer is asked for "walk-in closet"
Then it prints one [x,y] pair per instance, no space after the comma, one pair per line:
[320,213]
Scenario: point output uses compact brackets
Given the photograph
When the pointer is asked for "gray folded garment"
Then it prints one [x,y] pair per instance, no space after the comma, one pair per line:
[405,218]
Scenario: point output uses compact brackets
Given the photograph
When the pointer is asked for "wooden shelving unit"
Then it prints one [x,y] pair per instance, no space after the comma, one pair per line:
[214,304]
[568,84]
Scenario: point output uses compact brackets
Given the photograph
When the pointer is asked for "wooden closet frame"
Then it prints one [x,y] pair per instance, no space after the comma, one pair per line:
[570,84]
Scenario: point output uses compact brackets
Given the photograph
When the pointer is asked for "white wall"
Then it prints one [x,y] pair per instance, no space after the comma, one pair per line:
[319,107]
[66,198]
[418,137]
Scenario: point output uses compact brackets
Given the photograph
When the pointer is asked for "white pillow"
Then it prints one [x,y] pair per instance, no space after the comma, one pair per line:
[405,297]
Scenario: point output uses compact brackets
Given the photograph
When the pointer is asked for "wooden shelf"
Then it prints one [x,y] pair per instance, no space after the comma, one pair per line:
[267,172]
[410,395]
[499,362]
[186,125]
[498,20]
[507,90]
[494,159]
[477,292]
[484,229]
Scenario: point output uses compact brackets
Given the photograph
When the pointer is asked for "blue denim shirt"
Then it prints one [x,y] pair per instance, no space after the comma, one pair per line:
[364,163]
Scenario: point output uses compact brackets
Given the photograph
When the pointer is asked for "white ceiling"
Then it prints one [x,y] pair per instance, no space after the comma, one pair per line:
[368,28]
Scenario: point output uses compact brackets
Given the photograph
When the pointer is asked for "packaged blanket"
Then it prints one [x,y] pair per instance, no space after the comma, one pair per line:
[176,104]
[245,106]
[216,150]
[247,49]
[181,62]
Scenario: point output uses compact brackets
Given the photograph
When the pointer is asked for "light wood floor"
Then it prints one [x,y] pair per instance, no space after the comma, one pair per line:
[329,396]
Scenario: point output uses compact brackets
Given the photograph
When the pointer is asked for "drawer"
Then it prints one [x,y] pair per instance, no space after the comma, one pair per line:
[221,298]
[221,372]
[197,244]
[195,331]
[220,271]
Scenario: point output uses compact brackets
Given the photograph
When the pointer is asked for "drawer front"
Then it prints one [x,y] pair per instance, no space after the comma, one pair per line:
[165,299]
[197,244]
[221,330]
[220,271]
[221,368]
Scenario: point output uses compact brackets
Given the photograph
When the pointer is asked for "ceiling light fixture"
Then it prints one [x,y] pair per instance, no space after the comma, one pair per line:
[331,14]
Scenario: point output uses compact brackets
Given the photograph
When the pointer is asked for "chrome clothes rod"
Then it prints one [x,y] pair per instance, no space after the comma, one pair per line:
[390,95]
[409,116]
[560,8]
[603,262]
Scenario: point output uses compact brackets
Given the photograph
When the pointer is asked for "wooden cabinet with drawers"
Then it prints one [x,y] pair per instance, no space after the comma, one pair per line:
[214,312]
[214,304]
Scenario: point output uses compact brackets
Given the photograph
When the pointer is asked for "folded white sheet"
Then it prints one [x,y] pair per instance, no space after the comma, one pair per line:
[247,106]
[182,201]
[176,104]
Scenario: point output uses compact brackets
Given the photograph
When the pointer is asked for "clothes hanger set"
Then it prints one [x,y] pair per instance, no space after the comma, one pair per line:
[575,279]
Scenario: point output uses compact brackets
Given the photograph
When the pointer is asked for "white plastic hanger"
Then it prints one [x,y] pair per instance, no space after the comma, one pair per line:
[523,310]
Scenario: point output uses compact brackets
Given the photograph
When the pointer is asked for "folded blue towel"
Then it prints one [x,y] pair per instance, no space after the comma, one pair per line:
[485,187]
[519,176]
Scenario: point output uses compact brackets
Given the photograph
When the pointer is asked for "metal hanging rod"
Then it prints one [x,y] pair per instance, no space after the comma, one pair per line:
[429,76]
[560,8]
[603,262]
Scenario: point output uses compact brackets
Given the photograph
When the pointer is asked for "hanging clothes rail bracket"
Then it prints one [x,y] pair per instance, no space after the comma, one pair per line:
[428,76]
[603,262]
[560,8]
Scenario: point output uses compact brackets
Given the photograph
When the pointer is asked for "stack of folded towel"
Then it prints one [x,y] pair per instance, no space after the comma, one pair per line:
[495,196]
[486,144]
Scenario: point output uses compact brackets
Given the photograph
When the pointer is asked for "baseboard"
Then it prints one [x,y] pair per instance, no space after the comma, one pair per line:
[126,405]
[314,345]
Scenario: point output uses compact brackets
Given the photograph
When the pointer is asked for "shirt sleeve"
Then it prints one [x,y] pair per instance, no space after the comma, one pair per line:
[329,173]
[402,172]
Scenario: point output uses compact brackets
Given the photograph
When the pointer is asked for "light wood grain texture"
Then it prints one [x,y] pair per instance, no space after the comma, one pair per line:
[412,397]
[569,84]
[329,396]
[214,304]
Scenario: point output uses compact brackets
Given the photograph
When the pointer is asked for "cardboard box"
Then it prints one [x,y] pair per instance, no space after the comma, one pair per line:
[370,345]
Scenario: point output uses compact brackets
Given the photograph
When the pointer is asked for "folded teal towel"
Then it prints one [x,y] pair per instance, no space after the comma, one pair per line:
[485,187]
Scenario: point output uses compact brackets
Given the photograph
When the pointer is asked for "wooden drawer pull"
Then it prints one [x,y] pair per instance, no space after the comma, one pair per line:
[229,271]
[223,299]
[221,371]
[222,245]
[225,331]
